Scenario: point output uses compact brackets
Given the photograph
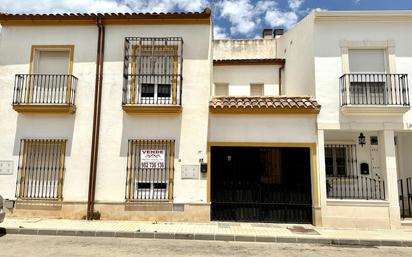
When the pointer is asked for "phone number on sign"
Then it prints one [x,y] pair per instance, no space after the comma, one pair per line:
[153,165]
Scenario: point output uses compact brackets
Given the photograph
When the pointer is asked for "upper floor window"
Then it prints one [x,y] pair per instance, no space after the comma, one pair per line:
[367,61]
[221,89]
[51,61]
[369,76]
[49,81]
[152,70]
[256,90]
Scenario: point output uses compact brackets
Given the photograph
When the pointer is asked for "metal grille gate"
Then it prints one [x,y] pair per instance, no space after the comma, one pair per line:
[405,197]
[261,184]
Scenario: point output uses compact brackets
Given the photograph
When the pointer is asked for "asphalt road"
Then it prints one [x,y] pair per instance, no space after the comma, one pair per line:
[28,246]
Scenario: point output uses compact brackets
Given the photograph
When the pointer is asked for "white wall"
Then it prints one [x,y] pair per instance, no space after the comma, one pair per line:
[262,128]
[297,47]
[239,78]
[189,129]
[15,47]
[244,49]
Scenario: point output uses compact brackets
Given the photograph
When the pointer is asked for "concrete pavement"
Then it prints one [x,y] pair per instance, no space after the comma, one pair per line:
[218,231]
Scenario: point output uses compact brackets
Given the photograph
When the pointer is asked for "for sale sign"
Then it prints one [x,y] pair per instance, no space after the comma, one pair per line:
[152,159]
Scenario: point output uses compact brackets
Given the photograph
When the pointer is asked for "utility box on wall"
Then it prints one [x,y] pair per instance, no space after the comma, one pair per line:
[190,171]
[203,168]
[364,167]
[6,167]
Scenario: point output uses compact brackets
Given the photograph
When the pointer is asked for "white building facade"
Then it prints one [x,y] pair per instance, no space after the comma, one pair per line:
[146,117]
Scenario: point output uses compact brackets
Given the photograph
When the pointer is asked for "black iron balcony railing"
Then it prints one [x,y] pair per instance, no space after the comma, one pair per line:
[374,89]
[355,187]
[44,89]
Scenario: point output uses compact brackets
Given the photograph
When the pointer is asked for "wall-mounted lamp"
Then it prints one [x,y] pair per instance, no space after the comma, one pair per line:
[361,139]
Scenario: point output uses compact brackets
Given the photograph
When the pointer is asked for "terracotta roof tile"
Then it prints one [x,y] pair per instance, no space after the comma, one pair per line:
[206,11]
[268,104]
[90,18]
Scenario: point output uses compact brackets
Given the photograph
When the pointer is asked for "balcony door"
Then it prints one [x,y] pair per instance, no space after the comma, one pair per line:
[156,69]
[52,62]
[368,82]
[49,78]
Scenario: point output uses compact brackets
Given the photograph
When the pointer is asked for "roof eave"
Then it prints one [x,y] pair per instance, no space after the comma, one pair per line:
[106,18]
[372,16]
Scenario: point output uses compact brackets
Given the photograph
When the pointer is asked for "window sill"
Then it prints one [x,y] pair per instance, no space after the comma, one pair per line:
[357,202]
[374,109]
[152,109]
[44,108]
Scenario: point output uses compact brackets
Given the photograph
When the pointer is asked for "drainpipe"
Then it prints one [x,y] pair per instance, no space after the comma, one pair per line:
[281,68]
[96,119]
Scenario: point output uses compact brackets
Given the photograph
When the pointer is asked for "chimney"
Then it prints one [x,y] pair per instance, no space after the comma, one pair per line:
[277,33]
[267,33]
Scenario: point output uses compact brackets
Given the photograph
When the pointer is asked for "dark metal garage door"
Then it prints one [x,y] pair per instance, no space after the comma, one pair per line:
[261,184]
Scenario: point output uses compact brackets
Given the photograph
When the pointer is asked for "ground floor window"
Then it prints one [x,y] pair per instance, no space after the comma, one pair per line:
[150,170]
[41,169]
[340,160]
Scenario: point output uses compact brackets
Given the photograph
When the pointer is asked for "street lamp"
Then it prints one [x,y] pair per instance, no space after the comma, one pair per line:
[362,139]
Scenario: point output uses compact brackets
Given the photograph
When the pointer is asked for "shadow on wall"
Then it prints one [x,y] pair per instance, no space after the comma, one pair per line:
[377,119]
[196,39]
[150,127]
[44,126]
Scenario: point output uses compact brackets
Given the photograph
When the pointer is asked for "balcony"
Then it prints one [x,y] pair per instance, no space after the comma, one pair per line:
[44,93]
[374,93]
[153,75]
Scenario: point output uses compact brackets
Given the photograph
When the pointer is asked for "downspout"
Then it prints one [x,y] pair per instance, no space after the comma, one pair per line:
[96,119]
[281,68]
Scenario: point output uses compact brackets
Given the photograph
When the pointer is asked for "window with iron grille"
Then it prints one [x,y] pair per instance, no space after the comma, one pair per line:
[153,71]
[342,178]
[41,169]
[150,170]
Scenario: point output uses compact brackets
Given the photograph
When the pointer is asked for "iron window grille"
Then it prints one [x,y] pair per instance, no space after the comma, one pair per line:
[342,178]
[41,169]
[405,197]
[340,160]
[150,167]
[153,71]
[44,89]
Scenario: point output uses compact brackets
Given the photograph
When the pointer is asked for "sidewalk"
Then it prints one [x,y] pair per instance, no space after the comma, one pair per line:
[221,231]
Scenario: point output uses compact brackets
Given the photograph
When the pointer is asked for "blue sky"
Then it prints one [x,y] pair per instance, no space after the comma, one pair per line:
[232,18]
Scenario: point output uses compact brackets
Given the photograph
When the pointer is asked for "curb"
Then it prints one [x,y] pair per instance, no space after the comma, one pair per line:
[210,237]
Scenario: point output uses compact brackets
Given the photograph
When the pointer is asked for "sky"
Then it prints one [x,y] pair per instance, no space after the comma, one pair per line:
[232,18]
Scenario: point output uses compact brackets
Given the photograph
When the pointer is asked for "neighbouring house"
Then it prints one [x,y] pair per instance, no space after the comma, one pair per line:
[147,117]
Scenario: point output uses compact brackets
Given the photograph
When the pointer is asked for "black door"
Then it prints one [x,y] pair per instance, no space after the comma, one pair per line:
[261,184]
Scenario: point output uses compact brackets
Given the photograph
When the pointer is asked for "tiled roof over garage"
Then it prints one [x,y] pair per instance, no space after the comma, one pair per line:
[264,104]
